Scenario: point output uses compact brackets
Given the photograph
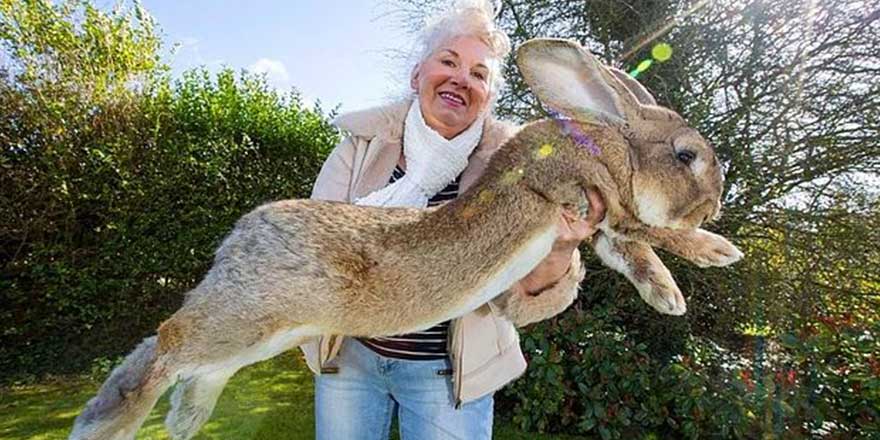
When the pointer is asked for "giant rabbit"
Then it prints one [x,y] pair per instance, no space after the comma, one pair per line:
[295,269]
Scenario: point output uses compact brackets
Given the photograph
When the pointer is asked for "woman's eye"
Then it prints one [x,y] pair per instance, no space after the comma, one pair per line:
[480,76]
[448,63]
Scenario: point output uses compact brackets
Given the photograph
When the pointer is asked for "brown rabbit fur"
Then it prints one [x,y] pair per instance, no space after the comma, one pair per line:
[295,269]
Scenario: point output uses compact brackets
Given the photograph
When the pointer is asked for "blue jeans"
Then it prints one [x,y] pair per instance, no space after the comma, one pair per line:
[359,401]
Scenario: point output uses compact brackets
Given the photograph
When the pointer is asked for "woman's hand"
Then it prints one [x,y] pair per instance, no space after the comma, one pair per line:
[573,229]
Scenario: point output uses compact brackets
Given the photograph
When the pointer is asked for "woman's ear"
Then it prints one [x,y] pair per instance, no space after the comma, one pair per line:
[414,78]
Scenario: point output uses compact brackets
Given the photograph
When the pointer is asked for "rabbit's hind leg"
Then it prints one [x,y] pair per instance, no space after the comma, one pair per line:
[193,402]
[195,396]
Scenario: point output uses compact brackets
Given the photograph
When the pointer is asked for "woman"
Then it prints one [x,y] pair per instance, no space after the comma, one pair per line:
[422,152]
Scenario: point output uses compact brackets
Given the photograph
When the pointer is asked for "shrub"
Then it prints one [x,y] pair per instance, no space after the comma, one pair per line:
[113,197]
[610,367]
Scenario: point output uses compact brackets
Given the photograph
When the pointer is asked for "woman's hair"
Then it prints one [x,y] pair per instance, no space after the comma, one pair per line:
[468,18]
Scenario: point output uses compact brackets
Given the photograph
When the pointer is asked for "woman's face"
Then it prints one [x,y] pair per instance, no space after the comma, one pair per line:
[453,85]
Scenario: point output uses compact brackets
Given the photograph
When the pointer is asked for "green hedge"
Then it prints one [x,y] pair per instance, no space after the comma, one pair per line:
[110,210]
[612,368]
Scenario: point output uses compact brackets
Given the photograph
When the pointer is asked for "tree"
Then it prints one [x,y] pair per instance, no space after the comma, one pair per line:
[788,94]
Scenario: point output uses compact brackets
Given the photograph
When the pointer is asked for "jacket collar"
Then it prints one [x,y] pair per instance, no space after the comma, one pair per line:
[382,127]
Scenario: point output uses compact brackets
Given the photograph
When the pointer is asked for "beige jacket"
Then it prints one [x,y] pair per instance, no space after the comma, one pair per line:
[483,345]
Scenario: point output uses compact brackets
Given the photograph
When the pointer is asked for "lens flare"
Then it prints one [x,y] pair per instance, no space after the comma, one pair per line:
[544,151]
[568,127]
[486,196]
[512,176]
[661,52]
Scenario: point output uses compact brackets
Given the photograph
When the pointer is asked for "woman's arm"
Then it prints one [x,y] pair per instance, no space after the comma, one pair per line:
[572,231]
[522,308]
[553,285]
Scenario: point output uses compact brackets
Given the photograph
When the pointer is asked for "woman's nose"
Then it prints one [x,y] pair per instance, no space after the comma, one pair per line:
[460,79]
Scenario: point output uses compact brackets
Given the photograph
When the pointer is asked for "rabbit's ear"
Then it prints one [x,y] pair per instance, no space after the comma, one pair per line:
[570,79]
[636,88]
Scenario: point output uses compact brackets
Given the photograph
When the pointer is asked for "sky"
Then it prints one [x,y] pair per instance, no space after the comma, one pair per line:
[335,51]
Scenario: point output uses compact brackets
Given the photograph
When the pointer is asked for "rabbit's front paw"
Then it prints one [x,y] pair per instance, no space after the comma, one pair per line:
[713,250]
[640,264]
[661,293]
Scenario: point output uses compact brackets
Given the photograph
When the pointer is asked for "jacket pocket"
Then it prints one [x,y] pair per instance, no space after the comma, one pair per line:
[480,340]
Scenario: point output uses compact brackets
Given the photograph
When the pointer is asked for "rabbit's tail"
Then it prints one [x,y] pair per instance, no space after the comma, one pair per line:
[126,397]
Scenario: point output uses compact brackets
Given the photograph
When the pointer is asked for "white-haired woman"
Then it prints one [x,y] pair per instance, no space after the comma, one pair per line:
[421,152]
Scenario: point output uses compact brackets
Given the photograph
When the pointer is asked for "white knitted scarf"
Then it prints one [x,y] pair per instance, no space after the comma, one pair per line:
[432,162]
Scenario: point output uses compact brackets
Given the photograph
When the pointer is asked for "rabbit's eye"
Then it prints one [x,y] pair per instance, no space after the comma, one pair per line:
[686,156]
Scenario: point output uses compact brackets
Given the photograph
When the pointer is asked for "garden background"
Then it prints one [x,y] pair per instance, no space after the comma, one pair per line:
[118,180]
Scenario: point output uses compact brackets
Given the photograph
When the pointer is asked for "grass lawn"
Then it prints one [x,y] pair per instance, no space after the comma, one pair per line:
[269,400]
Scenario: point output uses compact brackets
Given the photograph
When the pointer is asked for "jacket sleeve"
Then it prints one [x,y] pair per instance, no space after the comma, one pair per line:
[523,309]
[334,179]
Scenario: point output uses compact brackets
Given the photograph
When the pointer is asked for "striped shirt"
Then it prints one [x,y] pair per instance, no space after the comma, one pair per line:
[427,344]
